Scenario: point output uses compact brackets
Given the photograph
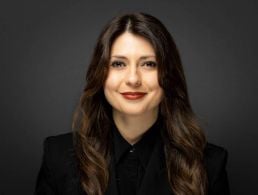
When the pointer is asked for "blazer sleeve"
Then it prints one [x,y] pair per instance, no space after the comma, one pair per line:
[45,184]
[217,174]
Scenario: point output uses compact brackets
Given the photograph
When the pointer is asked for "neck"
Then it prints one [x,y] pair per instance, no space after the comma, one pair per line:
[132,127]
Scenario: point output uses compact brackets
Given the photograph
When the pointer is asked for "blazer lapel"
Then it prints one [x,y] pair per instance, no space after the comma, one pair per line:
[155,180]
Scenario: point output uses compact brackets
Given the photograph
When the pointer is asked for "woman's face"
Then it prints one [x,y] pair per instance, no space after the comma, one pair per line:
[132,87]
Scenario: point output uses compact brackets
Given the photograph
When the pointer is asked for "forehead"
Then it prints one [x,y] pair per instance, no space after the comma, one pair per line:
[130,44]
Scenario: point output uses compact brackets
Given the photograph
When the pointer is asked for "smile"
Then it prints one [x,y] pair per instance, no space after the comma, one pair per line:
[133,95]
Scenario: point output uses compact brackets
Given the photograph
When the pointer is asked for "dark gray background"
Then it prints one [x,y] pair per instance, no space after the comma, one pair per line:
[46,46]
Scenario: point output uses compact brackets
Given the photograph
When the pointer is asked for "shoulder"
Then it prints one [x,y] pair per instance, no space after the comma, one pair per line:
[59,151]
[59,172]
[214,153]
[215,160]
[214,157]
[60,142]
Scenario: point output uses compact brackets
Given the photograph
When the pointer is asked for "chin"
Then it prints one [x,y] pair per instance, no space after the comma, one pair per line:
[133,112]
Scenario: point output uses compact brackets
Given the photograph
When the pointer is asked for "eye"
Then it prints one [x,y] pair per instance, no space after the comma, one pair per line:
[150,64]
[117,64]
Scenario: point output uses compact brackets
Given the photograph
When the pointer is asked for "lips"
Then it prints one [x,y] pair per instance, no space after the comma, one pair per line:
[133,95]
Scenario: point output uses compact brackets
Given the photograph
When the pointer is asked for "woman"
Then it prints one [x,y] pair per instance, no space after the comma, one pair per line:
[134,129]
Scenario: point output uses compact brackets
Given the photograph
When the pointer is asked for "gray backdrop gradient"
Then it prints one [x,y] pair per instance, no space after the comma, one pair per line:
[46,46]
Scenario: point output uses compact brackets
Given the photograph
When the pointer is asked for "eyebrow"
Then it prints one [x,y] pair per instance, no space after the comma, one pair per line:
[141,58]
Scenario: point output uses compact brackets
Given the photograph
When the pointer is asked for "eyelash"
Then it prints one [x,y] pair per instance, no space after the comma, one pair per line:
[153,64]
[120,64]
[117,64]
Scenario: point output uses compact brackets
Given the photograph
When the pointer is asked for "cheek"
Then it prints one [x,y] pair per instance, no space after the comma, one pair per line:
[110,83]
[111,87]
[157,91]
[158,95]
[108,92]
[152,82]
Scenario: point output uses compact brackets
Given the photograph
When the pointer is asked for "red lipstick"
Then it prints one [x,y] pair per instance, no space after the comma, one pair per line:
[133,95]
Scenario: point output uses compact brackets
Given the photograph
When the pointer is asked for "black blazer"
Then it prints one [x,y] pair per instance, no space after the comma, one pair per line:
[58,173]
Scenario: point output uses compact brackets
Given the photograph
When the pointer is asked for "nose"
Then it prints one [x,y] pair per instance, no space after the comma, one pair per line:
[133,77]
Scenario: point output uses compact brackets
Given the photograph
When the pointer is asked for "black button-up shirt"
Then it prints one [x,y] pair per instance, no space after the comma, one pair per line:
[131,160]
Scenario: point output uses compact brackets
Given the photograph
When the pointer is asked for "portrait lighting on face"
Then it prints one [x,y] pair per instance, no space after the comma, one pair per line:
[132,86]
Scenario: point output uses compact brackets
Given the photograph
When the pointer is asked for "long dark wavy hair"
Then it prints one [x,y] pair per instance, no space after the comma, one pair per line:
[184,140]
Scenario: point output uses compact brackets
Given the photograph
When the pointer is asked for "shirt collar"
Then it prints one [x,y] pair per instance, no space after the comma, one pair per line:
[143,147]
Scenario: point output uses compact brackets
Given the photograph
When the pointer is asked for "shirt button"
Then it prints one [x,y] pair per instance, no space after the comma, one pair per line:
[132,150]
